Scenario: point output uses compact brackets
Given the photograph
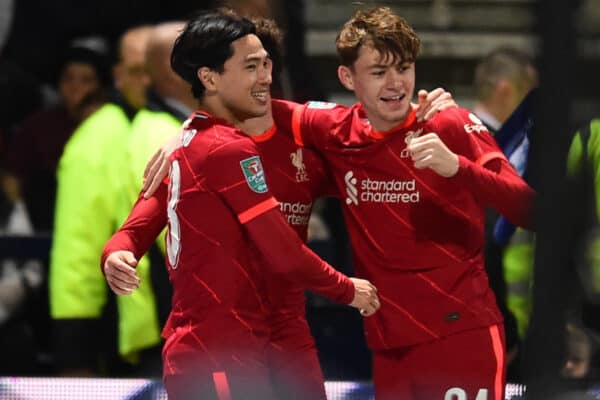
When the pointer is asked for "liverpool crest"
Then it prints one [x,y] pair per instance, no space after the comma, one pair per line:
[298,162]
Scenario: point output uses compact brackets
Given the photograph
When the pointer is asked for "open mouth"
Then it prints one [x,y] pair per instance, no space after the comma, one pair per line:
[260,95]
[393,98]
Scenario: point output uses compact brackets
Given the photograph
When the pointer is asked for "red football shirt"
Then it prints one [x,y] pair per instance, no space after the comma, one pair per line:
[210,251]
[417,236]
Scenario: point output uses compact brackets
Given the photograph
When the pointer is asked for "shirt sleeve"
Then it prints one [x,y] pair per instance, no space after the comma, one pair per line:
[484,168]
[291,258]
[143,225]
[235,172]
[310,123]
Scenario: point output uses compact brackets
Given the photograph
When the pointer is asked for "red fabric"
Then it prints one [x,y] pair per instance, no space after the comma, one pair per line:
[291,259]
[295,183]
[499,186]
[295,176]
[253,384]
[467,363]
[145,222]
[416,235]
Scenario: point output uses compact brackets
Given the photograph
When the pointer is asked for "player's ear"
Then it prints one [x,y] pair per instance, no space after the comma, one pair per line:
[345,77]
[207,78]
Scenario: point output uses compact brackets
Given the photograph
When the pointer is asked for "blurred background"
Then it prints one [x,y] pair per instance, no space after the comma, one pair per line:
[57,67]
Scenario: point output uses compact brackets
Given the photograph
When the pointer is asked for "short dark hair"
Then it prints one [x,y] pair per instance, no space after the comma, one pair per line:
[272,40]
[206,42]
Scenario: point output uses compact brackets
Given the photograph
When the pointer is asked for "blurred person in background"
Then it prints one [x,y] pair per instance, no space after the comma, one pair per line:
[583,328]
[299,81]
[170,101]
[89,198]
[37,144]
[297,178]
[32,157]
[502,80]
[20,281]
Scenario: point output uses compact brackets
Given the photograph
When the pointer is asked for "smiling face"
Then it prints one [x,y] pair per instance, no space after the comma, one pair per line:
[377,50]
[383,84]
[242,89]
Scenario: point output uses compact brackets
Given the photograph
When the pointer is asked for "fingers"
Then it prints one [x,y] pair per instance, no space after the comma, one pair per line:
[371,308]
[148,170]
[155,177]
[365,297]
[423,159]
[422,96]
[120,274]
[439,106]
[435,94]
[430,103]
[120,288]
[423,142]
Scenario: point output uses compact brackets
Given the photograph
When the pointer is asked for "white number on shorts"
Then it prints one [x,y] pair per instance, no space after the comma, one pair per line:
[460,394]
[173,234]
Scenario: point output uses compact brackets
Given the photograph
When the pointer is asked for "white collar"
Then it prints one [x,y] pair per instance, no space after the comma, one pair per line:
[487,118]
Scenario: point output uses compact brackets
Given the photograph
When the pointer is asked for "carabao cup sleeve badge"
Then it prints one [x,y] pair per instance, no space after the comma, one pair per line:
[254,174]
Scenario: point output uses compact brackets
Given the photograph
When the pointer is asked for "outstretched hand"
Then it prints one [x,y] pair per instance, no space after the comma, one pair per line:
[119,269]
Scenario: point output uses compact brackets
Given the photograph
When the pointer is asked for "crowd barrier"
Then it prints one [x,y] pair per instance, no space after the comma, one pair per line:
[20,388]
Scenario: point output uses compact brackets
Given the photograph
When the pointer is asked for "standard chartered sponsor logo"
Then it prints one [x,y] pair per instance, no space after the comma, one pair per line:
[351,190]
[383,191]
[296,213]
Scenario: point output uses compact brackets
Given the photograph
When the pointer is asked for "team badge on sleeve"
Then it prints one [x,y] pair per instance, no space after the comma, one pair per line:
[320,105]
[476,126]
[254,174]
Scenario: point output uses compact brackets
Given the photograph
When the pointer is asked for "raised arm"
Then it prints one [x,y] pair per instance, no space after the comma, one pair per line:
[478,165]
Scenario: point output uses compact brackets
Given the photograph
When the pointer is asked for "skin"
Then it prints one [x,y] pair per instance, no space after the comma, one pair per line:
[506,96]
[241,91]
[384,86]
[238,93]
[130,75]
[77,80]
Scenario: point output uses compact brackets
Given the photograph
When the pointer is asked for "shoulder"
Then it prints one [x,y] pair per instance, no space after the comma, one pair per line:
[458,120]
[328,110]
[208,137]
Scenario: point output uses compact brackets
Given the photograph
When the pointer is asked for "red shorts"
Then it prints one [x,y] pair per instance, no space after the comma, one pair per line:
[219,385]
[294,364]
[466,366]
